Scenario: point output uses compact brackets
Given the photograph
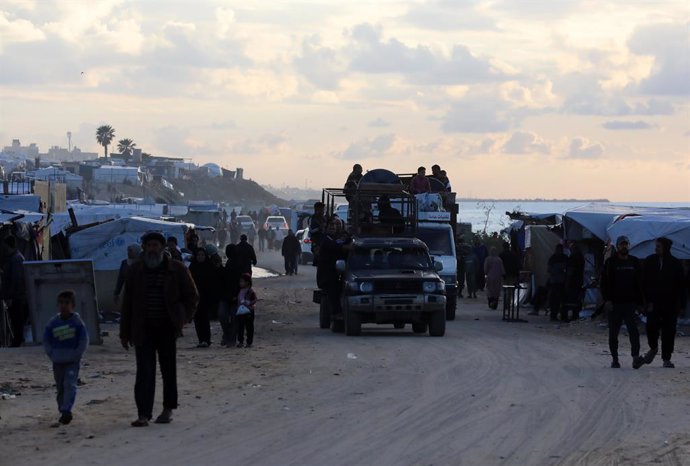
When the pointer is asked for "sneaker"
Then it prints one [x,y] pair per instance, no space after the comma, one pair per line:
[668,364]
[638,362]
[65,419]
[615,365]
[649,355]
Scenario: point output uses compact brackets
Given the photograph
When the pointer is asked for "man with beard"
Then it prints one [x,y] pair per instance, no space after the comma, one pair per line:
[159,298]
[663,286]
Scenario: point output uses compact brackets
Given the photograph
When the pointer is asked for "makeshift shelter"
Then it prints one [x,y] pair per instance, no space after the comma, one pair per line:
[106,243]
[642,231]
[540,244]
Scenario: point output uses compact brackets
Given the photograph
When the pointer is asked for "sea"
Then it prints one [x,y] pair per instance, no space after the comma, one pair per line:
[491,215]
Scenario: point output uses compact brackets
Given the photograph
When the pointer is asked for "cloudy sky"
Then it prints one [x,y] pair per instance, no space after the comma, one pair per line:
[548,98]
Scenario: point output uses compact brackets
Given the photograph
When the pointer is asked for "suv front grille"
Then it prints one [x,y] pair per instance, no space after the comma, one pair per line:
[398,286]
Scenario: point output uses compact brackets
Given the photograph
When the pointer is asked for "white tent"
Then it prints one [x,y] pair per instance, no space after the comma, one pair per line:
[642,231]
[106,244]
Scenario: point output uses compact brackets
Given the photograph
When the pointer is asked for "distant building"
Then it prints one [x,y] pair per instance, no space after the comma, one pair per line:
[58,175]
[61,154]
[17,150]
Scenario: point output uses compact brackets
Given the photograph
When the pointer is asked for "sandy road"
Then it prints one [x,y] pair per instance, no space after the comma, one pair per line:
[488,392]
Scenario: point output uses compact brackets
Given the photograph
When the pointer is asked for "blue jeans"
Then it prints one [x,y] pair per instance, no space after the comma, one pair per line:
[66,376]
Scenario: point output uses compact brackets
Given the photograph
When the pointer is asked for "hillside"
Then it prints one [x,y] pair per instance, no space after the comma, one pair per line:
[232,191]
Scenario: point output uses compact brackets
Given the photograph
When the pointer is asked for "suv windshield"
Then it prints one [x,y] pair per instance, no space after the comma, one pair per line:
[390,258]
[438,241]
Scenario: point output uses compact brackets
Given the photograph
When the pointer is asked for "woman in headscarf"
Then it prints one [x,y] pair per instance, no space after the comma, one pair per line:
[494,271]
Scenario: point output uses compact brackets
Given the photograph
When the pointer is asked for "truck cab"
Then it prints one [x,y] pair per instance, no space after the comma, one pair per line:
[392,281]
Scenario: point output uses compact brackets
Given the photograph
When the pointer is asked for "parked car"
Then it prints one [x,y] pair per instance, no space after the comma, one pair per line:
[304,241]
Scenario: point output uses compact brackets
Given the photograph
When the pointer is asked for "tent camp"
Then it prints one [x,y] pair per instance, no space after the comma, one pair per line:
[106,244]
[593,220]
[87,214]
[642,231]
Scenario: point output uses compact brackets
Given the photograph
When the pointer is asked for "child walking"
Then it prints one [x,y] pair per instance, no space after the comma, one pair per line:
[246,302]
[65,339]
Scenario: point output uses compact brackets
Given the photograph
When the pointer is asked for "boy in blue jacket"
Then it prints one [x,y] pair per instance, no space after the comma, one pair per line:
[65,340]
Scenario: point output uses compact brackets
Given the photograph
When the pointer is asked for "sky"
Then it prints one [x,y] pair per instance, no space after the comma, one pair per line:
[548,99]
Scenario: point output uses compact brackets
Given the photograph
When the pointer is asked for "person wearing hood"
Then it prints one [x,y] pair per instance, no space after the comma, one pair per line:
[291,250]
[664,293]
[204,274]
[133,254]
[65,339]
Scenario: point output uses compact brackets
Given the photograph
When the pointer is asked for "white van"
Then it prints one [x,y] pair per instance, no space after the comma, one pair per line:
[440,239]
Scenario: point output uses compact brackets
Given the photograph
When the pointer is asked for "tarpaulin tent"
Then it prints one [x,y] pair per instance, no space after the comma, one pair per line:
[87,214]
[642,231]
[27,202]
[540,243]
[106,244]
[592,220]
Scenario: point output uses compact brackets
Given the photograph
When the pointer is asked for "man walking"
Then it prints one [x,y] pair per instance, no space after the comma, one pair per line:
[291,250]
[663,287]
[246,256]
[558,264]
[621,284]
[159,298]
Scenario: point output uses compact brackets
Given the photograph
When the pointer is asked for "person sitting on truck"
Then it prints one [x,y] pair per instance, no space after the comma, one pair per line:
[420,183]
[446,182]
[389,216]
[353,181]
[435,172]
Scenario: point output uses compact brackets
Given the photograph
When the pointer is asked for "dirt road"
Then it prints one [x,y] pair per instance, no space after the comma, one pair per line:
[488,393]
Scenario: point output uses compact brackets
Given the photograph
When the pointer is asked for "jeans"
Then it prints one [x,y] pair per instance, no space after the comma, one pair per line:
[662,320]
[623,312]
[228,321]
[66,376]
[245,322]
[160,340]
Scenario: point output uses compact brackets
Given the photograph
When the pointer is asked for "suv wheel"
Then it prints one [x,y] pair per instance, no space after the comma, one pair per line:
[353,324]
[419,328]
[437,324]
[324,313]
[451,306]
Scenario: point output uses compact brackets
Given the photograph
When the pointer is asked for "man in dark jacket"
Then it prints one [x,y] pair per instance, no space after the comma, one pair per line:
[663,288]
[291,249]
[334,248]
[14,289]
[575,277]
[246,256]
[160,297]
[621,284]
[558,264]
[511,265]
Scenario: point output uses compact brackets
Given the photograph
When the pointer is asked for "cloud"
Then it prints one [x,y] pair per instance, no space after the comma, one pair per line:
[582,148]
[447,15]
[420,64]
[13,30]
[227,124]
[669,44]
[269,142]
[627,125]
[480,114]
[378,123]
[320,65]
[524,142]
[368,148]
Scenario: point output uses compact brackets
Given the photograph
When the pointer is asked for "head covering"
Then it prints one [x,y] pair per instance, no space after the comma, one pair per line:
[622,239]
[153,236]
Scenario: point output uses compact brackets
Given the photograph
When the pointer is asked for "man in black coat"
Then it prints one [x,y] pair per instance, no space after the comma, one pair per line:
[246,256]
[291,250]
[621,284]
[663,288]
[557,266]
[575,278]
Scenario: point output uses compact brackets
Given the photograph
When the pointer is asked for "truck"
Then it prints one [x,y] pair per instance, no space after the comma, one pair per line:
[388,276]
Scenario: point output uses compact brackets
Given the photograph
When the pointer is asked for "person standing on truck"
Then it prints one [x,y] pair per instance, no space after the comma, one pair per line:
[317,230]
[352,182]
[621,284]
[420,183]
[663,287]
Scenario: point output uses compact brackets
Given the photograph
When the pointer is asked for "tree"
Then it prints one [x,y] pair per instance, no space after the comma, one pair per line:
[104,136]
[126,147]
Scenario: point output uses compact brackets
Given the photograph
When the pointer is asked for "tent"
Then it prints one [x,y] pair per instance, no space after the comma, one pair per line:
[592,220]
[87,214]
[540,243]
[27,202]
[106,244]
[644,230]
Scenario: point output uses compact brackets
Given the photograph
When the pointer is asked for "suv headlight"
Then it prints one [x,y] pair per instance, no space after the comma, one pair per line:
[434,287]
[366,287]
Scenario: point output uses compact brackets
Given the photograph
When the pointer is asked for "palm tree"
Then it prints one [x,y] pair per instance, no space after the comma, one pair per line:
[126,147]
[104,136]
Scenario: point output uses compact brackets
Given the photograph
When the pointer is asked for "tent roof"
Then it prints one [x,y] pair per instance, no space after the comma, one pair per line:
[642,231]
